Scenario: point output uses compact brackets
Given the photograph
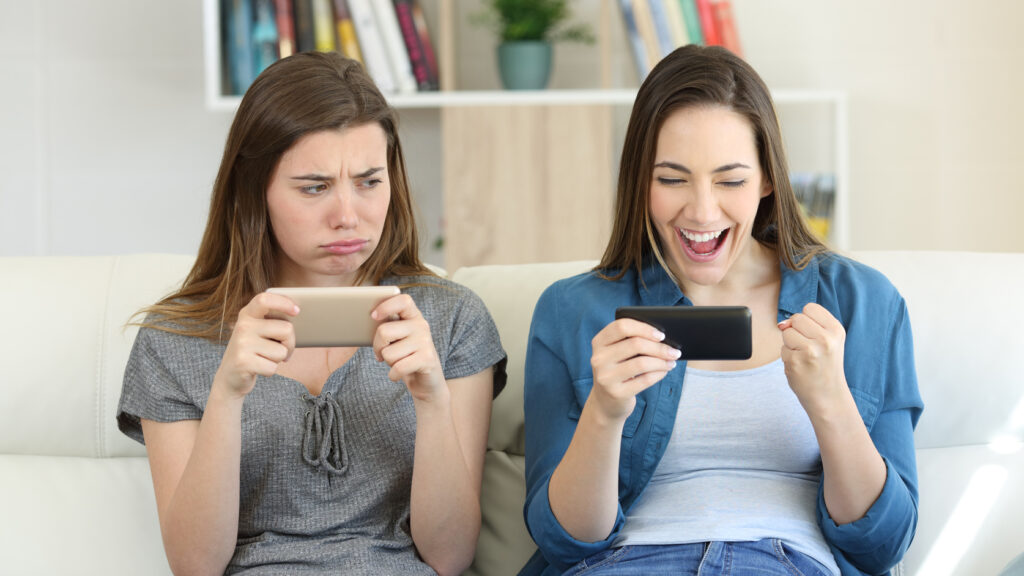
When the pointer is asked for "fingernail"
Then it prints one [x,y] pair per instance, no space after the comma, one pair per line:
[671,364]
[295,309]
[659,335]
[676,353]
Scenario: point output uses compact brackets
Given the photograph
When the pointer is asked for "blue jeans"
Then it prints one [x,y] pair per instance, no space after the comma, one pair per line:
[764,557]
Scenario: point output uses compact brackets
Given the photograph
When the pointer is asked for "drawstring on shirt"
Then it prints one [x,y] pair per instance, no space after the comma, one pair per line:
[323,442]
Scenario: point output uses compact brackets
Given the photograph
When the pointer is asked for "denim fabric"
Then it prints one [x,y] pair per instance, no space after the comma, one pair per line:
[879,368]
[768,557]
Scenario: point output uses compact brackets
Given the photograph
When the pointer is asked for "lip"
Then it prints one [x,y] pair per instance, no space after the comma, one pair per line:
[345,246]
[701,258]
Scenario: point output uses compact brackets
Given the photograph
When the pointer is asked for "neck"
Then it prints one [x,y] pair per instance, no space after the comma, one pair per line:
[757,269]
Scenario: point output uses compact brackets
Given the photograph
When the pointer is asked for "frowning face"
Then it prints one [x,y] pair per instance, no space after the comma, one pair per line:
[328,200]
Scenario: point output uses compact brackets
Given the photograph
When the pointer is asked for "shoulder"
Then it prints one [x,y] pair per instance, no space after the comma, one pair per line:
[852,282]
[587,287]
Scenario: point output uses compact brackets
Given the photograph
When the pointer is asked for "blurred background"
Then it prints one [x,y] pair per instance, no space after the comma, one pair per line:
[108,144]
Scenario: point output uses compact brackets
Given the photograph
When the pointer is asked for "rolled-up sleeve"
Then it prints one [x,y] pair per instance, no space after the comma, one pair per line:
[552,413]
[876,542]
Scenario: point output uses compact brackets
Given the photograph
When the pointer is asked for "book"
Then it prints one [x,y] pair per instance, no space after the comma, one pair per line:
[425,81]
[725,25]
[645,26]
[394,45]
[285,28]
[425,43]
[264,35]
[677,23]
[662,29]
[323,26]
[371,45]
[346,30]
[707,23]
[692,19]
[302,15]
[636,43]
[240,60]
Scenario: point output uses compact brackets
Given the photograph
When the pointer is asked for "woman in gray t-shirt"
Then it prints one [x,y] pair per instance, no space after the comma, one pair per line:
[271,459]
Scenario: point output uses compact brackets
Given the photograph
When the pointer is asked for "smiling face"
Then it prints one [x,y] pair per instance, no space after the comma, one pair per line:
[327,202]
[706,186]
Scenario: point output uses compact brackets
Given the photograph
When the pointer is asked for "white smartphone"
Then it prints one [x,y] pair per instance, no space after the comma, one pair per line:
[335,316]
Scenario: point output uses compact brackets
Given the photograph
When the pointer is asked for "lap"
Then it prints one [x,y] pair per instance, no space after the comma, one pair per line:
[764,557]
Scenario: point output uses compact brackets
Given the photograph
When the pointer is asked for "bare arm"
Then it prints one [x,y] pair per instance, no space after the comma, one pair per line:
[451,439]
[195,464]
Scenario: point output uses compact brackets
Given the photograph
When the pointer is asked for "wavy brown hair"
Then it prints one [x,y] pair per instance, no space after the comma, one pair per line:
[302,94]
[701,76]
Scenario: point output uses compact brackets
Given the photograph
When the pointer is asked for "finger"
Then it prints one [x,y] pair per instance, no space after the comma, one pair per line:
[793,339]
[642,382]
[637,346]
[267,304]
[397,307]
[823,317]
[806,326]
[626,328]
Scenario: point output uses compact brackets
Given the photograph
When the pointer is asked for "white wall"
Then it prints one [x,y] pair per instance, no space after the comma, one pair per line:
[106,146]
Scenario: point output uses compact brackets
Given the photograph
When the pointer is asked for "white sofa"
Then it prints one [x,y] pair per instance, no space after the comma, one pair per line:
[76,497]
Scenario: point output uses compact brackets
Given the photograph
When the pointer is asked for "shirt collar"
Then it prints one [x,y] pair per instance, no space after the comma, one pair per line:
[798,287]
[656,287]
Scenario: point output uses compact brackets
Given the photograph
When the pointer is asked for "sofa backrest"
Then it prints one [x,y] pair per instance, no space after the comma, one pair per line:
[66,470]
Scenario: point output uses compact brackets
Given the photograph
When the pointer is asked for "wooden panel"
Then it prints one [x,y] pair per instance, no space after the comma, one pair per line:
[526,183]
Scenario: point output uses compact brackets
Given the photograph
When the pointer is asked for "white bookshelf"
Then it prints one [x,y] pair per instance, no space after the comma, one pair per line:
[836,138]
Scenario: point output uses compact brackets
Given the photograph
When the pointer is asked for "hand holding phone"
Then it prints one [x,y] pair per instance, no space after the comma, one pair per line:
[335,316]
[699,332]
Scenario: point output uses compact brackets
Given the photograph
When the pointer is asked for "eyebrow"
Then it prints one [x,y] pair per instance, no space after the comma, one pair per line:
[322,178]
[684,169]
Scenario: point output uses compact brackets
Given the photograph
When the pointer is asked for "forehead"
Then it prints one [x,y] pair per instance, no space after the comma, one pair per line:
[715,132]
[360,143]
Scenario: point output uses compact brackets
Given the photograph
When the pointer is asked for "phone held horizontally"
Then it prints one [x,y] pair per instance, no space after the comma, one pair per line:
[335,316]
[699,332]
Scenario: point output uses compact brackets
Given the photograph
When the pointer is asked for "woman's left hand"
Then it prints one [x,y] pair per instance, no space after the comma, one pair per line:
[812,352]
[403,340]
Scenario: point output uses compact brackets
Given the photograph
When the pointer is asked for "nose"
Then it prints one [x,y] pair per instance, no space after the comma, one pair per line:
[343,210]
[703,207]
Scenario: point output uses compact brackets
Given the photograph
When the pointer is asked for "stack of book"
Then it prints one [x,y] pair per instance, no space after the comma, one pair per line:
[389,37]
[656,27]
[816,193]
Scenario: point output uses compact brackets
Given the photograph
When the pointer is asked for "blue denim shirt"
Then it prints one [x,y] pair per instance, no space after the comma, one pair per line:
[879,367]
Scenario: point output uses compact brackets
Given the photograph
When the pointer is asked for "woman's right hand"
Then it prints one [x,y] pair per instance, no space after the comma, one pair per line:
[628,357]
[260,340]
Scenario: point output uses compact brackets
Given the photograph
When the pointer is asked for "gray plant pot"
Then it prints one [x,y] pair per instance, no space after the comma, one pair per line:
[524,65]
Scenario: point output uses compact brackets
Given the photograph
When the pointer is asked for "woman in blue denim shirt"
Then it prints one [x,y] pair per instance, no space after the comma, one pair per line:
[799,460]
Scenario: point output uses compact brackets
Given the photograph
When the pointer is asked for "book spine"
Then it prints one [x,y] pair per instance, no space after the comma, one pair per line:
[285,28]
[635,42]
[420,68]
[692,19]
[725,24]
[677,23]
[662,30]
[323,26]
[372,45]
[264,35]
[241,60]
[398,56]
[305,38]
[347,42]
[645,25]
[707,23]
[425,44]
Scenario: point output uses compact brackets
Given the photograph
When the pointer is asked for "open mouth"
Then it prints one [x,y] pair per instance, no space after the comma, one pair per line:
[703,243]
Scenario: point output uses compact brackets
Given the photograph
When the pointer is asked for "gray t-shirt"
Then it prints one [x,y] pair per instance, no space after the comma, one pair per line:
[325,480]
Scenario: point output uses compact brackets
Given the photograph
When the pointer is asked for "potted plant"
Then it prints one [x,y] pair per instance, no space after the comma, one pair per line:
[527,29]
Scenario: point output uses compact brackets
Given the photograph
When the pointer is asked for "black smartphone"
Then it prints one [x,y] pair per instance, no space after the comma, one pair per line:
[699,332]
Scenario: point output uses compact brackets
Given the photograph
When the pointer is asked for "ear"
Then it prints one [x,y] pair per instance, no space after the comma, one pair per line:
[766,188]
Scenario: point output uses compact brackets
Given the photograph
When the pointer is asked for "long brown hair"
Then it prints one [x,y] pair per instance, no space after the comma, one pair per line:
[697,76]
[304,93]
